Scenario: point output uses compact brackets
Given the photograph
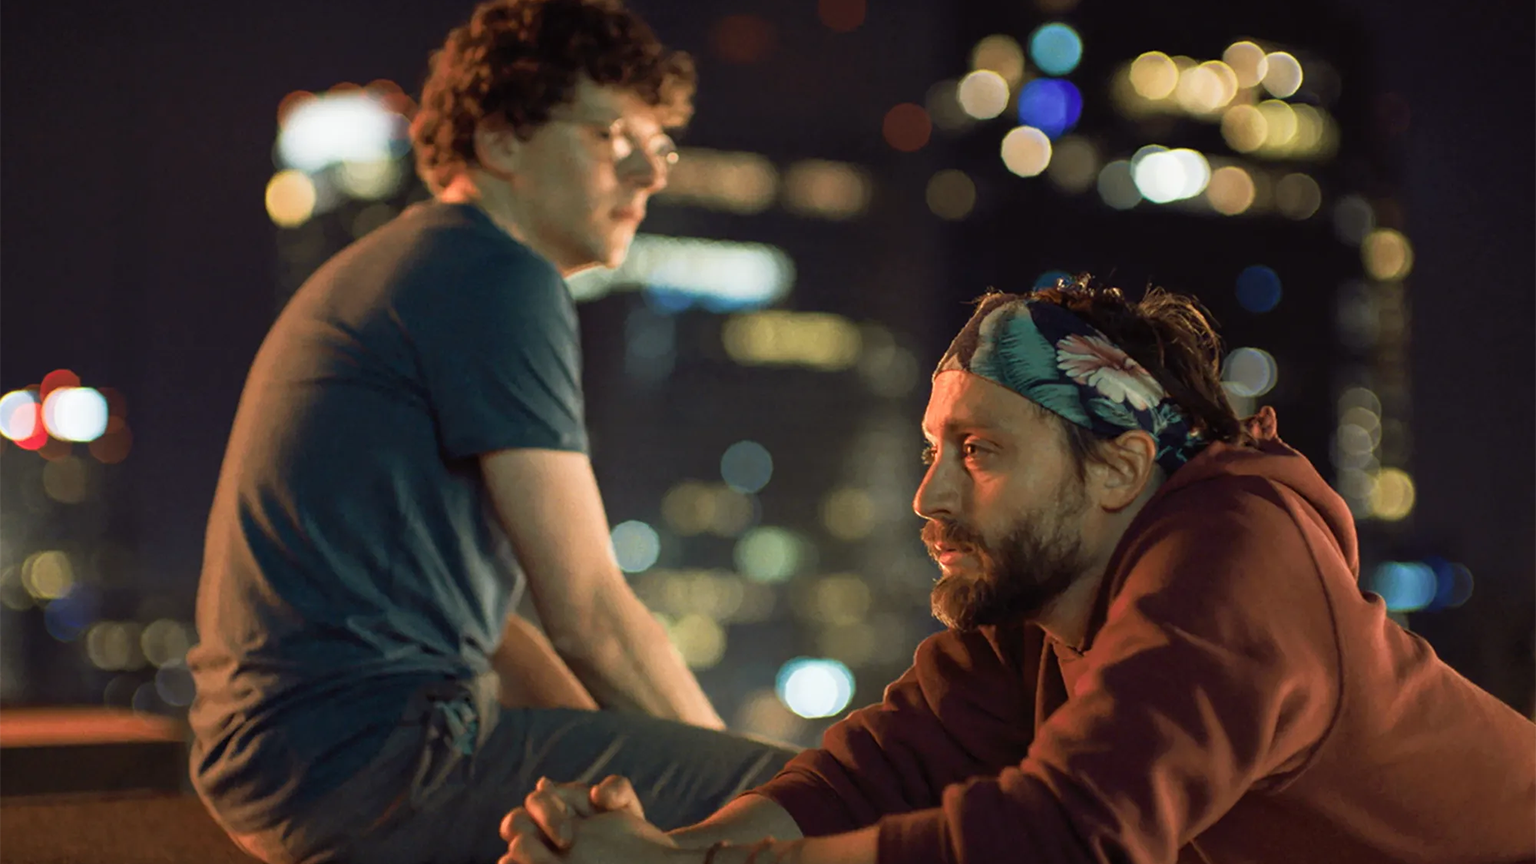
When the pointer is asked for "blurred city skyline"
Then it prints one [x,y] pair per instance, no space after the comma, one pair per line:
[142,258]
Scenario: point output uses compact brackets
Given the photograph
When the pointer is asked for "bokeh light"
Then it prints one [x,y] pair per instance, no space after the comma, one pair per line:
[1074,164]
[1298,196]
[777,337]
[174,685]
[700,639]
[1283,76]
[113,447]
[838,600]
[1000,53]
[1245,128]
[907,127]
[1163,175]
[848,513]
[826,189]
[1248,62]
[1405,586]
[112,645]
[841,16]
[814,687]
[165,642]
[20,415]
[1056,48]
[1026,151]
[75,414]
[689,507]
[1279,125]
[762,714]
[769,554]
[1230,191]
[1117,186]
[944,108]
[1387,255]
[1258,288]
[636,545]
[1392,497]
[1353,219]
[1052,105]
[983,94]
[67,480]
[951,194]
[291,198]
[1154,75]
[746,466]
[1250,372]
[1205,89]
[743,38]
[47,575]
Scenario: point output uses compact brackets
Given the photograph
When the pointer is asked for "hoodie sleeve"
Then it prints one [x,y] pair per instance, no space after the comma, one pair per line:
[959,712]
[1215,672]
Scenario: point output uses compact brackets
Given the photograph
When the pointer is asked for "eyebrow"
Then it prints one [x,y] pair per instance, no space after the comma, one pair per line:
[951,427]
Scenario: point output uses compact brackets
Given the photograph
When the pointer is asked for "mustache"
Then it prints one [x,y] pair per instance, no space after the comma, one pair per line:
[942,532]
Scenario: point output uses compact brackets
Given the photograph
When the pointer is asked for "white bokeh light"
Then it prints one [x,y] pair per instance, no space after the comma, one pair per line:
[18,414]
[75,414]
[815,687]
[341,127]
[636,546]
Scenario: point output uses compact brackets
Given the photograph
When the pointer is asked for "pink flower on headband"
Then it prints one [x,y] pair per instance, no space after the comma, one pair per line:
[1095,362]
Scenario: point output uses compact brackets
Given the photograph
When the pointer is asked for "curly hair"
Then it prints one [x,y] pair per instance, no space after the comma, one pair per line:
[1172,336]
[518,59]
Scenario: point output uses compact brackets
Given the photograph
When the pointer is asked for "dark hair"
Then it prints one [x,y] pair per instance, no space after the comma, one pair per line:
[1172,336]
[518,59]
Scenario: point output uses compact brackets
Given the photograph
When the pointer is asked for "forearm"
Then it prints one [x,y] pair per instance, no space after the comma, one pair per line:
[531,673]
[626,661]
[858,847]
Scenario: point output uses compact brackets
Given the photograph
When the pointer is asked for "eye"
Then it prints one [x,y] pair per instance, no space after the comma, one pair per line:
[970,450]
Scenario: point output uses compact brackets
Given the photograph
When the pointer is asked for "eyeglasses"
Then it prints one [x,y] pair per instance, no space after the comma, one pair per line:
[625,141]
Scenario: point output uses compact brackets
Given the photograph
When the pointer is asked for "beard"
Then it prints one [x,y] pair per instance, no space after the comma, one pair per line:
[1017,577]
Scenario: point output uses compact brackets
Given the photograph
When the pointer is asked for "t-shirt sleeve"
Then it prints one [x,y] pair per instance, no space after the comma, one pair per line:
[1216,672]
[500,352]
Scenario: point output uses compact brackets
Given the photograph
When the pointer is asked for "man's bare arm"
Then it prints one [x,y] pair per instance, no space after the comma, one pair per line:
[549,502]
[531,672]
[744,820]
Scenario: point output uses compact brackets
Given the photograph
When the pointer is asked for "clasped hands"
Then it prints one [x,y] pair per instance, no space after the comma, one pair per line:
[571,823]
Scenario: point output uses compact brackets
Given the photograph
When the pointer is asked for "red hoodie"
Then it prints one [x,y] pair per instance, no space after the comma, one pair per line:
[1239,699]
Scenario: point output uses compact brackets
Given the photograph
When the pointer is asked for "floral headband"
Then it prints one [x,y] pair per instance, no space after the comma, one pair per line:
[1053,358]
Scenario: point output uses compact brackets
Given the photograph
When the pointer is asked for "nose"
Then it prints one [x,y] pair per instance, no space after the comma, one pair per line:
[647,170]
[936,495]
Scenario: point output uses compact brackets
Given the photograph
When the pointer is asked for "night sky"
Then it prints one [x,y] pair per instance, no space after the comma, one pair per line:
[137,141]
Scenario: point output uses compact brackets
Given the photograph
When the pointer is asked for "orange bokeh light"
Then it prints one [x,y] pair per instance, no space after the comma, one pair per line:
[742,38]
[907,127]
[841,15]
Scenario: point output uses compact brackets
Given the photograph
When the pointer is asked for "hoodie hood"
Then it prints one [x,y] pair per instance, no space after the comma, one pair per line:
[1273,460]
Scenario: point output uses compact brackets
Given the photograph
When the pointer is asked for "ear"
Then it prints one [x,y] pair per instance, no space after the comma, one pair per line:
[497,148]
[1121,469]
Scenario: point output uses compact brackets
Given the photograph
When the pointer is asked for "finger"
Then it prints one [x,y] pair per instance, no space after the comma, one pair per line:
[617,793]
[523,850]
[553,816]
[519,823]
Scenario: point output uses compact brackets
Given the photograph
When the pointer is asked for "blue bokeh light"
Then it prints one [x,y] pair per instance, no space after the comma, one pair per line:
[1258,288]
[1056,48]
[1405,586]
[1051,105]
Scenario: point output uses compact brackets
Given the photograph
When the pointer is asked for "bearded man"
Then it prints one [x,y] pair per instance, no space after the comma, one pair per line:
[1157,650]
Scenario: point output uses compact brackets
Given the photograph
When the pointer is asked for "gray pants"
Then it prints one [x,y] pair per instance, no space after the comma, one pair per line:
[459,761]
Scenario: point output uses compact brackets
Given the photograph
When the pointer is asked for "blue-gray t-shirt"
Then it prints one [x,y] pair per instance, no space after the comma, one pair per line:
[352,552]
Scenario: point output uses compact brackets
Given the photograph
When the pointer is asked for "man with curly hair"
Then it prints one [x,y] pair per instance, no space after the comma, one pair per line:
[1156,650]
[410,448]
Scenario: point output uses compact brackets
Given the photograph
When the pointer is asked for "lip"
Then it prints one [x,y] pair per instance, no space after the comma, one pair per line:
[629,214]
[948,556]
